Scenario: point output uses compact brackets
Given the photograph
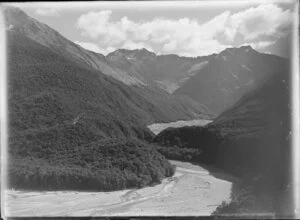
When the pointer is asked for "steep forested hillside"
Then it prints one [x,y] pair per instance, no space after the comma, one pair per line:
[57,107]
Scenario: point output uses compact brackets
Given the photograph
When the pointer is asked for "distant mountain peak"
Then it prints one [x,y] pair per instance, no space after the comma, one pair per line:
[15,14]
[144,52]
[136,52]
[13,9]
[235,52]
[246,47]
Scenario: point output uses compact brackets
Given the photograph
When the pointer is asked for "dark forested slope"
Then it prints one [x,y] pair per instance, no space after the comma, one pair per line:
[250,140]
[57,107]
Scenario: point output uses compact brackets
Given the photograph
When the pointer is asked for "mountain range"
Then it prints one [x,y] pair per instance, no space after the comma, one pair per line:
[216,81]
[167,72]
[201,87]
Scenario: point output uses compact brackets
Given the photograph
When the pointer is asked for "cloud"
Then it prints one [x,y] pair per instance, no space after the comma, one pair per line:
[47,12]
[96,24]
[185,36]
[264,20]
[94,47]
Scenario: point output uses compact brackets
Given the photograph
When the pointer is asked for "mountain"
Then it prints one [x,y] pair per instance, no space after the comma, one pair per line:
[164,71]
[180,108]
[217,81]
[228,76]
[62,119]
[252,140]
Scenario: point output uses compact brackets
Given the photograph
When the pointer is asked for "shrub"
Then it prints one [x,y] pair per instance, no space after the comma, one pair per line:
[110,164]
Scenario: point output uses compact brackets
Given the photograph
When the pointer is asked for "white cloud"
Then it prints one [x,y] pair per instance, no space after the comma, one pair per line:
[185,36]
[95,48]
[96,24]
[47,12]
[170,46]
[263,20]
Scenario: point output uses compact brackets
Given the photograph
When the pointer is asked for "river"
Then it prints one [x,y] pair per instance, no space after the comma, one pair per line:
[193,190]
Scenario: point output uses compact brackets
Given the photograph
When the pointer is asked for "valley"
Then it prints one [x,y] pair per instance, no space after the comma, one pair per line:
[158,127]
[135,131]
[193,190]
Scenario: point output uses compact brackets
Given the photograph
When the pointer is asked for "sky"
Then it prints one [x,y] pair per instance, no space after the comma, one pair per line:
[171,27]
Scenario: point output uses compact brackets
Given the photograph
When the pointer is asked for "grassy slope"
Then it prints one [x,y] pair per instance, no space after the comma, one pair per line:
[56,106]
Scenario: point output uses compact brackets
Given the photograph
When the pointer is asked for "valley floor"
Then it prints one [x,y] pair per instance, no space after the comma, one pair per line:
[193,190]
[158,127]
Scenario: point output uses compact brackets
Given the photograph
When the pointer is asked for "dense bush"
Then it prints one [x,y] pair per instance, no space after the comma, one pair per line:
[177,153]
[190,143]
[111,164]
[182,137]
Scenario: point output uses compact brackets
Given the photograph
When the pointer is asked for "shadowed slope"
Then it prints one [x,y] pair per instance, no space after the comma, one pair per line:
[251,140]
[230,75]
